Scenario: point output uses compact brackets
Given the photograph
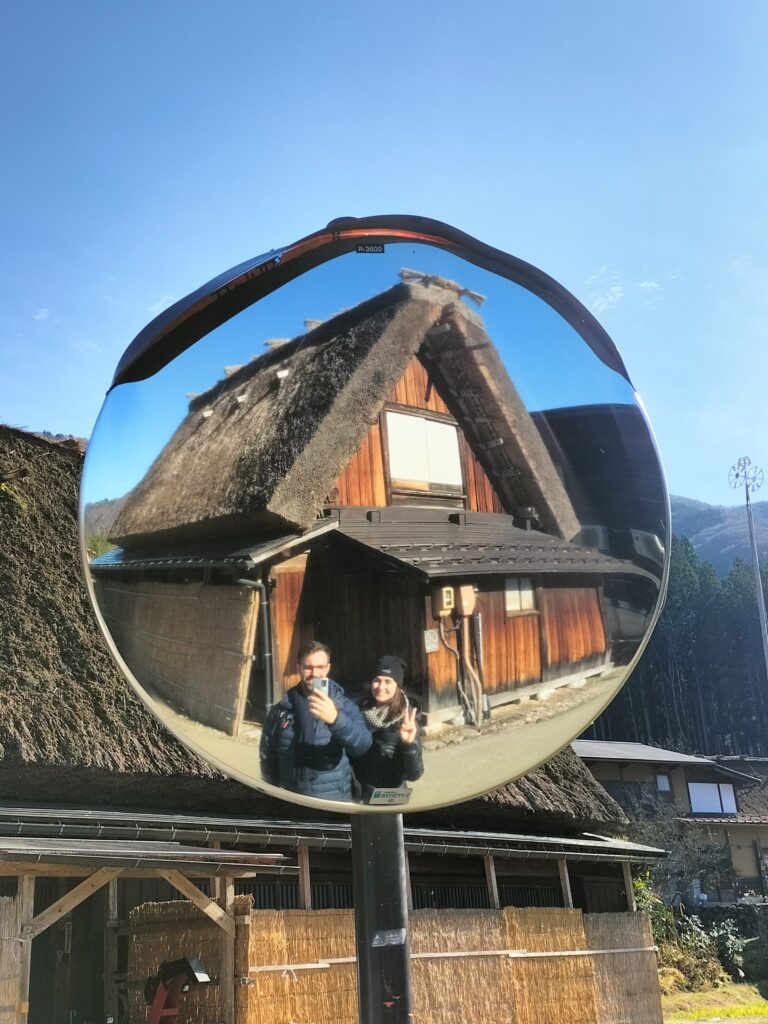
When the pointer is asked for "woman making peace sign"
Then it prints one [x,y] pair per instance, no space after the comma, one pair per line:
[395,754]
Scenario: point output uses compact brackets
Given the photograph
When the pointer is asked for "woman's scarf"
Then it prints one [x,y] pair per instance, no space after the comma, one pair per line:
[377,716]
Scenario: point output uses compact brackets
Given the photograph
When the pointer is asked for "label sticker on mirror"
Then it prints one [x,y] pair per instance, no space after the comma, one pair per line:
[389,937]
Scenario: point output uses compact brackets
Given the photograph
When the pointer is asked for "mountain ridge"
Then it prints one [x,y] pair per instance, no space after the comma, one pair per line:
[719,533]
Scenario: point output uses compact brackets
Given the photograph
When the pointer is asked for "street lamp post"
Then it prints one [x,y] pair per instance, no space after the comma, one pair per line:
[743,473]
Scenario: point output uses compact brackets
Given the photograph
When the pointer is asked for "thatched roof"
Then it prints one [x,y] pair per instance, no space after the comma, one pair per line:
[64,702]
[72,732]
[261,449]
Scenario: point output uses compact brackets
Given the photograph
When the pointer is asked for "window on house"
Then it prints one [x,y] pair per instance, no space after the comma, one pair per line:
[712,798]
[423,454]
[662,783]
[518,595]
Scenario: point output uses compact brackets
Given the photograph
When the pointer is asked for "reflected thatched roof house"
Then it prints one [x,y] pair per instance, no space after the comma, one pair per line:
[367,473]
[262,451]
[87,776]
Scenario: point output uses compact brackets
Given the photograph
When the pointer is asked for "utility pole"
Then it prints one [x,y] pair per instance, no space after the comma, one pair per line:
[744,474]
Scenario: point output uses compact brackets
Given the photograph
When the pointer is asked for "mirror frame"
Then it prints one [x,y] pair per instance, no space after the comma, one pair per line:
[198,314]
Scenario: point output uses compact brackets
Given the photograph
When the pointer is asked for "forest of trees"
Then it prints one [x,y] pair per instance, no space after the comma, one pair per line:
[700,686]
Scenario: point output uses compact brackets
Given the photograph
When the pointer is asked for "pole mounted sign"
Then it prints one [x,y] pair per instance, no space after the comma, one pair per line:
[375,522]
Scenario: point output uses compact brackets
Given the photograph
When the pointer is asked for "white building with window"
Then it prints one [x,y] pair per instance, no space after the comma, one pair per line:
[726,796]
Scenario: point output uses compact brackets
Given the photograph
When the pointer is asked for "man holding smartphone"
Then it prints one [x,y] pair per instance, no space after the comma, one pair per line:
[310,734]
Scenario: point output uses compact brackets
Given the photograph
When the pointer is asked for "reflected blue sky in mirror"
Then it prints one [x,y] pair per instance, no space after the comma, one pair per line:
[550,364]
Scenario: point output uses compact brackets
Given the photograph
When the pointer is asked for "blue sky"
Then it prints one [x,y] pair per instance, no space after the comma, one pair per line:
[622,148]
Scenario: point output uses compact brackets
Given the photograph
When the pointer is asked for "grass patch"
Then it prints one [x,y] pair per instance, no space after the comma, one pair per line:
[727,1001]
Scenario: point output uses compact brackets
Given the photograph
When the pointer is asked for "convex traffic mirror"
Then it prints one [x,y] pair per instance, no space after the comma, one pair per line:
[375,522]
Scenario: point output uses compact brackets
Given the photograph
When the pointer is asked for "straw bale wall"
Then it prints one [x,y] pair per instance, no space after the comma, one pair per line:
[287,957]
[10,926]
[168,931]
[186,642]
[627,985]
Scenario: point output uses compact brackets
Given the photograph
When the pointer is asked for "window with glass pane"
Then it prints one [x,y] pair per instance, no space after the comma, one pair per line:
[518,595]
[662,783]
[423,453]
[712,798]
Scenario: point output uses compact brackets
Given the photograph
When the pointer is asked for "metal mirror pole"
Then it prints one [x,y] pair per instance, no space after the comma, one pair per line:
[381,919]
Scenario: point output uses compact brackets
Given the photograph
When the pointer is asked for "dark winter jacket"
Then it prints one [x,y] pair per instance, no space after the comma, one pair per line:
[389,762]
[318,768]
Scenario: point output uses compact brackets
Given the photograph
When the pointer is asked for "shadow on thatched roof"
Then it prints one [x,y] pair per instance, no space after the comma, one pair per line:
[260,450]
[71,731]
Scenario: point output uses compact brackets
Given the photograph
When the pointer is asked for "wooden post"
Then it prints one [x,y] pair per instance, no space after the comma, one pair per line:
[305,882]
[491,881]
[26,897]
[227,972]
[626,870]
[565,883]
[218,882]
[408,889]
[110,950]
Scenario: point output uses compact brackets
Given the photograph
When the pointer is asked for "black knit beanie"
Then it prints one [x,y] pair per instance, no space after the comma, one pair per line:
[392,666]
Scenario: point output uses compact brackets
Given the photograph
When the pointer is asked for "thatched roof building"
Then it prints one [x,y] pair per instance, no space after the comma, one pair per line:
[72,732]
[260,450]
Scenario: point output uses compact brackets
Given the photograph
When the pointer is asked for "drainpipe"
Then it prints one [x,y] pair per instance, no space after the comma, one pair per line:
[477,639]
[266,637]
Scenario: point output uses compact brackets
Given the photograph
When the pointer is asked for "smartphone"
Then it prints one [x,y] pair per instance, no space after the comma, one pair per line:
[322,684]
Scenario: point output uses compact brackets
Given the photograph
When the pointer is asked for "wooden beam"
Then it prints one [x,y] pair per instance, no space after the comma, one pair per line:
[491,881]
[305,882]
[227,972]
[208,906]
[26,897]
[110,950]
[12,869]
[565,883]
[629,889]
[69,901]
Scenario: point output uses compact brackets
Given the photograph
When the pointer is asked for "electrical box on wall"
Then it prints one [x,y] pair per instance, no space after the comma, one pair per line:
[466,597]
[443,601]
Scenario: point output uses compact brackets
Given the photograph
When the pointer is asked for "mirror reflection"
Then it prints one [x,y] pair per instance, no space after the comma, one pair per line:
[389,538]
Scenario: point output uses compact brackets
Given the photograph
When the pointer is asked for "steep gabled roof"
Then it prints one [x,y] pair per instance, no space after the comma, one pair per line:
[261,449]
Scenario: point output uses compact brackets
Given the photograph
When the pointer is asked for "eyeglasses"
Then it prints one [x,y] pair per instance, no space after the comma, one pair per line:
[315,668]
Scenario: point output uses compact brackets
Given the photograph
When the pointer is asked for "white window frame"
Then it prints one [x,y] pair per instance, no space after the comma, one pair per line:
[663,784]
[712,798]
[411,439]
[519,595]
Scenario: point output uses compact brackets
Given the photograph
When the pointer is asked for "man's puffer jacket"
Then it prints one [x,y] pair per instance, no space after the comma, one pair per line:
[328,753]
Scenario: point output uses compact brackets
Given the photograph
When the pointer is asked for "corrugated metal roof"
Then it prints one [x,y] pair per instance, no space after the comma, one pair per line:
[68,826]
[235,555]
[431,542]
[604,750]
[131,853]
[441,542]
